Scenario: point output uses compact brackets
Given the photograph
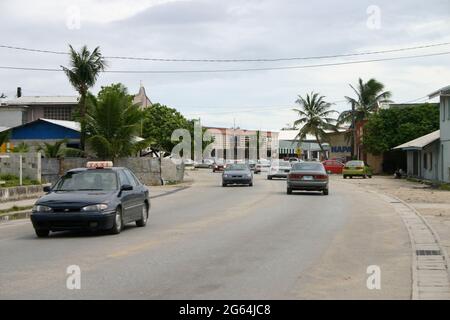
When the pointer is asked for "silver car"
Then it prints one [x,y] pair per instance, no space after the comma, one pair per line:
[237,173]
[310,176]
[279,169]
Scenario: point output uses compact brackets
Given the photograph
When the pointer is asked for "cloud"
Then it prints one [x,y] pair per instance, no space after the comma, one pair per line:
[230,29]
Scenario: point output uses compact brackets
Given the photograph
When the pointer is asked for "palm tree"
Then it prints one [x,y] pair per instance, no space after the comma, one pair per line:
[315,118]
[4,137]
[85,67]
[55,150]
[21,148]
[113,122]
[369,95]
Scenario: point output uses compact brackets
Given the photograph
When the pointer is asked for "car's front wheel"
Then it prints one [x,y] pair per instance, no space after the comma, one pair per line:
[269,177]
[118,222]
[325,192]
[289,191]
[250,184]
[144,216]
[42,233]
[224,184]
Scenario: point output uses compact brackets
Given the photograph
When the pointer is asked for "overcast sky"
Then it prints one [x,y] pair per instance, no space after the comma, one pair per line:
[231,29]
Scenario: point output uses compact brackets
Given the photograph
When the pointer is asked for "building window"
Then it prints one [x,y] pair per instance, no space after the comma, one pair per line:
[58,113]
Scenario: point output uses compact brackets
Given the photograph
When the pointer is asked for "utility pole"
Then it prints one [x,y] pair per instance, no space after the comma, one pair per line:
[353,132]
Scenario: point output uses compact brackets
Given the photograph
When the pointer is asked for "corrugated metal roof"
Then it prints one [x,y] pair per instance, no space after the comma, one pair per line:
[73,125]
[30,100]
[444,90]
[420,142]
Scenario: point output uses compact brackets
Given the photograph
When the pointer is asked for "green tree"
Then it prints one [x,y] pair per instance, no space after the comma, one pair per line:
[113,123]
[53,150]
[368,97]
[391,127]
[159,123]
[4,136]
[21,148]
[85,67]
[314,118]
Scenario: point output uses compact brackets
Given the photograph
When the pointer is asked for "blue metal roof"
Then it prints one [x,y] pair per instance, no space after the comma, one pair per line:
[43,130]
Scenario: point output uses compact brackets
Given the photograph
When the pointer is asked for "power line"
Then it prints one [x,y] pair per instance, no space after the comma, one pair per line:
[239,69]
[239,60]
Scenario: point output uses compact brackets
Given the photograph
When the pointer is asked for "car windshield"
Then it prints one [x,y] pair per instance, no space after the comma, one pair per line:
[355,164]
[237,167]
[104,180]
[305,166]
[284,164]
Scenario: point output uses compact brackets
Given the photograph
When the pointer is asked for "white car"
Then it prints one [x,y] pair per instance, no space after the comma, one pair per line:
[279,169]
[262,165]
[188,162]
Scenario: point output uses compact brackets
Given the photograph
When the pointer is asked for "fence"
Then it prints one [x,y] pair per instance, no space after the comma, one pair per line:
[148,170]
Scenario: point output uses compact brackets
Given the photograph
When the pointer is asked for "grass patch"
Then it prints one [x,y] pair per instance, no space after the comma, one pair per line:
[13,181]
[445,187]
[14,209]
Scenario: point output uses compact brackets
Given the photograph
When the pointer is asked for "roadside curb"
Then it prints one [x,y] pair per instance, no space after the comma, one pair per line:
[24,214]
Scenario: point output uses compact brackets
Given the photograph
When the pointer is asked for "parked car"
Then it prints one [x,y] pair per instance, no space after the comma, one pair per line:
[310,176]
[356,168]
[218,165]
[251,164]
[98,197]
[294,159]
[262,165]
[188,162]
[333,166]
[237,173]
[279,169]
[205,163]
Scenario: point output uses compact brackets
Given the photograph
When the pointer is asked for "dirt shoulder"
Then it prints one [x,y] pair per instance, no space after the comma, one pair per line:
[433,204]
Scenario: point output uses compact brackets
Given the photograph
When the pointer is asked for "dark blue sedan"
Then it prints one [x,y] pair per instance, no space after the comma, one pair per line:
[99,197]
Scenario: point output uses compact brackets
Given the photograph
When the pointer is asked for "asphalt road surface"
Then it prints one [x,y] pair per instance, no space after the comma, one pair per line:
[210,242]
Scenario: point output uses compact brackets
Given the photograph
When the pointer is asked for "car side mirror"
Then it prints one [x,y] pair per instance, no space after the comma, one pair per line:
[47,189]
[126,187]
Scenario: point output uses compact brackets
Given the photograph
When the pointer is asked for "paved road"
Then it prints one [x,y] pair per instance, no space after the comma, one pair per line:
[209,242]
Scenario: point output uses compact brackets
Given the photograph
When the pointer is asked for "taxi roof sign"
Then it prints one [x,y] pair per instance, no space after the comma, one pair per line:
[99,164]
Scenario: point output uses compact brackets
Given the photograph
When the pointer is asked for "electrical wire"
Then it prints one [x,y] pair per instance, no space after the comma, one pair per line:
[239,60]
[238,69]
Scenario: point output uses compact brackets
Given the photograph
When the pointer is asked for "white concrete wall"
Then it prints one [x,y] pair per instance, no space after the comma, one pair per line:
[10,117]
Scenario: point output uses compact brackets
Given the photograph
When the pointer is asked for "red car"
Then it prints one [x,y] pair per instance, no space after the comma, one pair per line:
[333,166]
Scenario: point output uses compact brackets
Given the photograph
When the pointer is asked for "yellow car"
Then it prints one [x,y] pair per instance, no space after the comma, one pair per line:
[356,168]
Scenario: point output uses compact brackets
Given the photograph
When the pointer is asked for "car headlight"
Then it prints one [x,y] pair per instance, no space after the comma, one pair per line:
[225,176]
[94,208]
[41,208]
